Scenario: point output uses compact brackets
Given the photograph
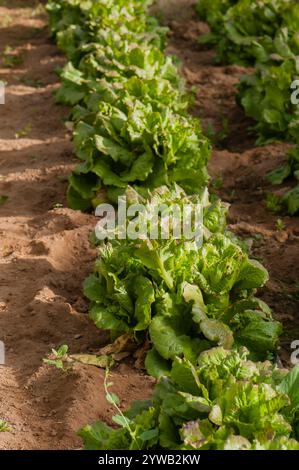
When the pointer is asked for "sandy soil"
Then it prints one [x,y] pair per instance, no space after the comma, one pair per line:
[44,255]
[44,250]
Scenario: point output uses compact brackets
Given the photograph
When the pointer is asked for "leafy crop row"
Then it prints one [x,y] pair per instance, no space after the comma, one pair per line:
[246,32]
[263,33]
[129,118]
[197,305]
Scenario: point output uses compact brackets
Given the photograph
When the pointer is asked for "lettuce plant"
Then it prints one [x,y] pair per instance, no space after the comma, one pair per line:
[264,33]
[189,298]
[247,32]
[224,402]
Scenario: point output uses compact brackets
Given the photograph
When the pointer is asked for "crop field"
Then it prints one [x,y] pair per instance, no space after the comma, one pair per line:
[125,330]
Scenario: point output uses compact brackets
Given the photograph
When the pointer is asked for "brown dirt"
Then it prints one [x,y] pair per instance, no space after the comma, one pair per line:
[44,251]
[44,256]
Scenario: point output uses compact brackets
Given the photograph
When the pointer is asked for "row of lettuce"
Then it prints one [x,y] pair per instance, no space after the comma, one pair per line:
[263,34]
[196,303]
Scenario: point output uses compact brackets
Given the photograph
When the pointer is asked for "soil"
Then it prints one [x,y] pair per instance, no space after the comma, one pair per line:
[45,254]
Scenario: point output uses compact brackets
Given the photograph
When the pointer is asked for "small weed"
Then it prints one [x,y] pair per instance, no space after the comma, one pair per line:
[280,225]
[10,58]
[32,82]
[114,400]
[273,203]
[4,426]
[59,358]
[257,239]
[23,132]
[211,132]
[223,134]
[218,137]
[217,183]
[39,10]
[3,200]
